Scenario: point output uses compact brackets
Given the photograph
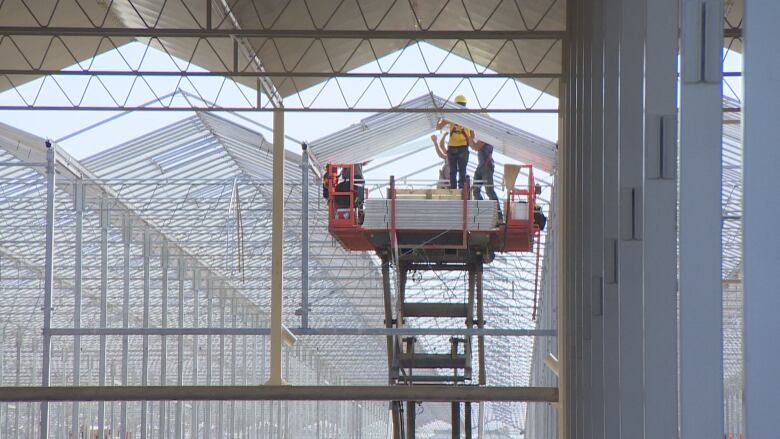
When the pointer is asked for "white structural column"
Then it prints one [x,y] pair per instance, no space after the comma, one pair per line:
[48,284]
[630,227]
[565,362]
[701,369]
[277,238]
[610,192]
[660,219]
[595,252]
[761,240]
[78,205]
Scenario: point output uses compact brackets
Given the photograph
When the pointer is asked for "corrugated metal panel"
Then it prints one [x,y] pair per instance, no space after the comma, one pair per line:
[382,132]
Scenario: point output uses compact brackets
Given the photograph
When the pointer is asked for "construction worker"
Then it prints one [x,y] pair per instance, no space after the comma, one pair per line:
[483,175]
[343,185]
[457,148]
[444,171]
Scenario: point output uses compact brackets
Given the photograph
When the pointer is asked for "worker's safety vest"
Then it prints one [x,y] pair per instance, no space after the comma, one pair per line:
[458,136]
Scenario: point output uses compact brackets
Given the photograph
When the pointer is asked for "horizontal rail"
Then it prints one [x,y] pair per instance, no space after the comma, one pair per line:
[291,74]
[282,33]
[428,393]
[286,109]
[307,331]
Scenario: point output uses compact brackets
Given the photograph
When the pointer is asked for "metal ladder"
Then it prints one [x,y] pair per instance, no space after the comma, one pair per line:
[404,362]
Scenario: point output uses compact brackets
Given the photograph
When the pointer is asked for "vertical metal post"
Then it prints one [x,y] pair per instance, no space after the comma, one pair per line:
[195,348]
[145,343]
[480,321]
[163,340]
[455,420]
[245,370]
[467,418]
[595,252]
[660,223]
[468,347]
[411,420]
[581,290]
[233,355]
[387,295]
[127,237]
[48,283]
[221,404]
[304,236]
[317,374]
[179,428]
[4,407]
[78,204]
[277,241]
[610,195]
[564,115]
[630,228]
[701,318]
[18,381]
[761,240]
[104,223]
[209,363]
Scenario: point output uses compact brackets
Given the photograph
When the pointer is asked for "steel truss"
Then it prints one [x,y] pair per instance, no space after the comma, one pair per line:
[303,59]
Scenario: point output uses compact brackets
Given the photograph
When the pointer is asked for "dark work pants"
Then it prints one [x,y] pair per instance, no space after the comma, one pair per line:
[458,158]
[484,176]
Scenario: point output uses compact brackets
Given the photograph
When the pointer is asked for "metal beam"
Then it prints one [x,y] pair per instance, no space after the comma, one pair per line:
[307,331]
[429,393]
[356,34]
[280,74]
[210,108]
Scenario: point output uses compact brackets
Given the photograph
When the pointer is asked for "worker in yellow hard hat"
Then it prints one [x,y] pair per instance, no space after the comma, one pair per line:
[457,147]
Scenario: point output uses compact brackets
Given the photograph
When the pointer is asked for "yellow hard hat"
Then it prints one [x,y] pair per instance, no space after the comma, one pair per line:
[460,99]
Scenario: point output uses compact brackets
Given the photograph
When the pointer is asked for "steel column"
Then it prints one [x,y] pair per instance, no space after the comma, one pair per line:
[660,221]
[701,318]
[610,194]
[455,420]
[104,223]
[145,318]
[277,249]
[163,430]
[562,178]
[127,236]
[411,420]
[761,240]
[595,253]
[48,283]
[78,204]
[179,428]
[304,236]
[195,347]
[630,227]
